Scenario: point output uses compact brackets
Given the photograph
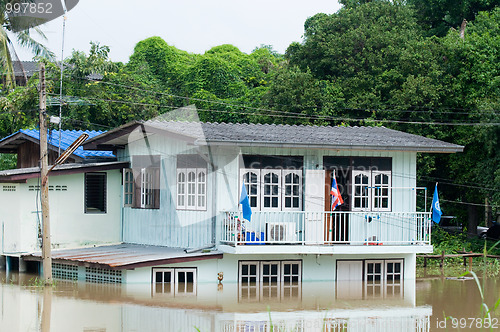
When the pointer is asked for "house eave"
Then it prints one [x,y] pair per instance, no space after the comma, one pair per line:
[423,149]
[18,176]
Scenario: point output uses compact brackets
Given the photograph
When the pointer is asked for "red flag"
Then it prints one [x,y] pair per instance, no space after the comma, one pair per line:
[336,197]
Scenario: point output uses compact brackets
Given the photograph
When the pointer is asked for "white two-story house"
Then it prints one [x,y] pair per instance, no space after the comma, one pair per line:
[182,191]
[180,221]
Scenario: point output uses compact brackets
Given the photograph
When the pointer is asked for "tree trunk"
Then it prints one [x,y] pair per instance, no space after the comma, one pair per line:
[473,220]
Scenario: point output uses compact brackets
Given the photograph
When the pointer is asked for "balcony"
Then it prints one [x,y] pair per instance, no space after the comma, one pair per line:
[326,229]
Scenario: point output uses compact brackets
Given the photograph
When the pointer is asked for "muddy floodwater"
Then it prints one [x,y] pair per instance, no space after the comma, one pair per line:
[431,303]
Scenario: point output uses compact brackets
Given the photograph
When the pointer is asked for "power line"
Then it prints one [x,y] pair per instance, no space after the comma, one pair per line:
[473,112]
[276,111]
[284,114]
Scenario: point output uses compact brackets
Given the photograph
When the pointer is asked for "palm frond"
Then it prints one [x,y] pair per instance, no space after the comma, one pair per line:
[6,59]
[25,40]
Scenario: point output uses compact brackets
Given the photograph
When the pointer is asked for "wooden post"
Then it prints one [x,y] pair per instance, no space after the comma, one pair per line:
[44,169]
[441,263]
[470,261]
[425,261]
[465,259]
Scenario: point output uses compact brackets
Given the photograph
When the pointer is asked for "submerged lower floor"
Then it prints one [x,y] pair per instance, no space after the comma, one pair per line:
[174,270]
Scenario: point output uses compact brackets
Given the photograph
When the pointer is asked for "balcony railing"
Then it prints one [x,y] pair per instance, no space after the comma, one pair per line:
[327,228]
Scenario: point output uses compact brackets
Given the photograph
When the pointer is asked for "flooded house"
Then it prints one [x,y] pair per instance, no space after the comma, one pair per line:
[172,207]
[85,197]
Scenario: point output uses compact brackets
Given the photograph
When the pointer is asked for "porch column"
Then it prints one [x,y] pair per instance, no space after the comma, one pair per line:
[22,265]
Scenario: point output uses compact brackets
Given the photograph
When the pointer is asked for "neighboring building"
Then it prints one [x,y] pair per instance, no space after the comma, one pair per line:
[25,143]
[85,196]
[24,70]
[180,197]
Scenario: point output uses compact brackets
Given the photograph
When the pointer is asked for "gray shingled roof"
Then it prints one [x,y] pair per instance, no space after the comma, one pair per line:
[359,138]
[29,67]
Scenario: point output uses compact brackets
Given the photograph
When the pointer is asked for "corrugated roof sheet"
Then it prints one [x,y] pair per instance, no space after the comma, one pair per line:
[62,167]
[68,137]
[378,138]
[126,255]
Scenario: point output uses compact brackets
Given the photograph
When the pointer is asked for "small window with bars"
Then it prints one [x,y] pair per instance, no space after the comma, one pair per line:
[95,192]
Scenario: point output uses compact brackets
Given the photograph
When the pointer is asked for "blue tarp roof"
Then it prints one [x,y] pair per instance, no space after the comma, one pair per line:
[68,137]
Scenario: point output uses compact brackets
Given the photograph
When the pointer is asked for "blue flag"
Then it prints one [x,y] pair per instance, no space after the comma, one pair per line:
[436,209]
[245,204]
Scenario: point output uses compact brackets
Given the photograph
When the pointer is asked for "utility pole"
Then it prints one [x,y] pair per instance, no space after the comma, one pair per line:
[44,170]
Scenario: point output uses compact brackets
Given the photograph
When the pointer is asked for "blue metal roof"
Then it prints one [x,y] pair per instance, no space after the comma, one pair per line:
[68,137]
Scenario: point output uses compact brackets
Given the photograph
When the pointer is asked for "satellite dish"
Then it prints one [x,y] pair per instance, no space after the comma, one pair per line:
[26,14]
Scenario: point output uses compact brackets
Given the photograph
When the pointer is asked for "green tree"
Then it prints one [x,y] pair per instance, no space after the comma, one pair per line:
[438,16]
[358,48]
[165,63]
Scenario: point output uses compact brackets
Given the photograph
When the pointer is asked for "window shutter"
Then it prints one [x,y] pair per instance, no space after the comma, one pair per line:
[156,188]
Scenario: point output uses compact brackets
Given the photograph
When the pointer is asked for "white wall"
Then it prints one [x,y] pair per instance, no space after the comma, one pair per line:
[70,225]
[317,268]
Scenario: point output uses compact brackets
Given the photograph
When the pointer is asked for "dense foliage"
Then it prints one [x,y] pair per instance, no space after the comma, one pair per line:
[401,64]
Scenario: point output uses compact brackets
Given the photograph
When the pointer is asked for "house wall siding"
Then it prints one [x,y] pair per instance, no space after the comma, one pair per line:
[168,226]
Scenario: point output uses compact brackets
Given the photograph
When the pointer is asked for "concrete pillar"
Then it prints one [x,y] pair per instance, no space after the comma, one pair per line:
[8,264]
[22,265]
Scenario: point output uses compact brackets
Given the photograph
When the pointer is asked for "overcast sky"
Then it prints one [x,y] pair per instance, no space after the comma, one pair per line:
[191,25]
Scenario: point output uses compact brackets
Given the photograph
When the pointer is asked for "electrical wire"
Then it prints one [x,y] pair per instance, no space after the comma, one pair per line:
[284,114]
[473,112]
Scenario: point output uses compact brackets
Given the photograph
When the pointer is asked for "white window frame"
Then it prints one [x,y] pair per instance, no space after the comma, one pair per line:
[371,191]
[362,195]
[249,275]
[195,190]
[394,287]
[181,196]
[147,188]
[174,282]
[272,195]
[381,196]
[284,185]
[250,193]
[191,189]
[259,196]
[201,188]
[177,282]
[381,273]
[270,275]
[128,187]
[255,281]
[291,275]
[164,284]
[288,287]
[393,274]
[377,287]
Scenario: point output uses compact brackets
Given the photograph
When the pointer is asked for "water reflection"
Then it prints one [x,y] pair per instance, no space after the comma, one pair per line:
[293,306]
